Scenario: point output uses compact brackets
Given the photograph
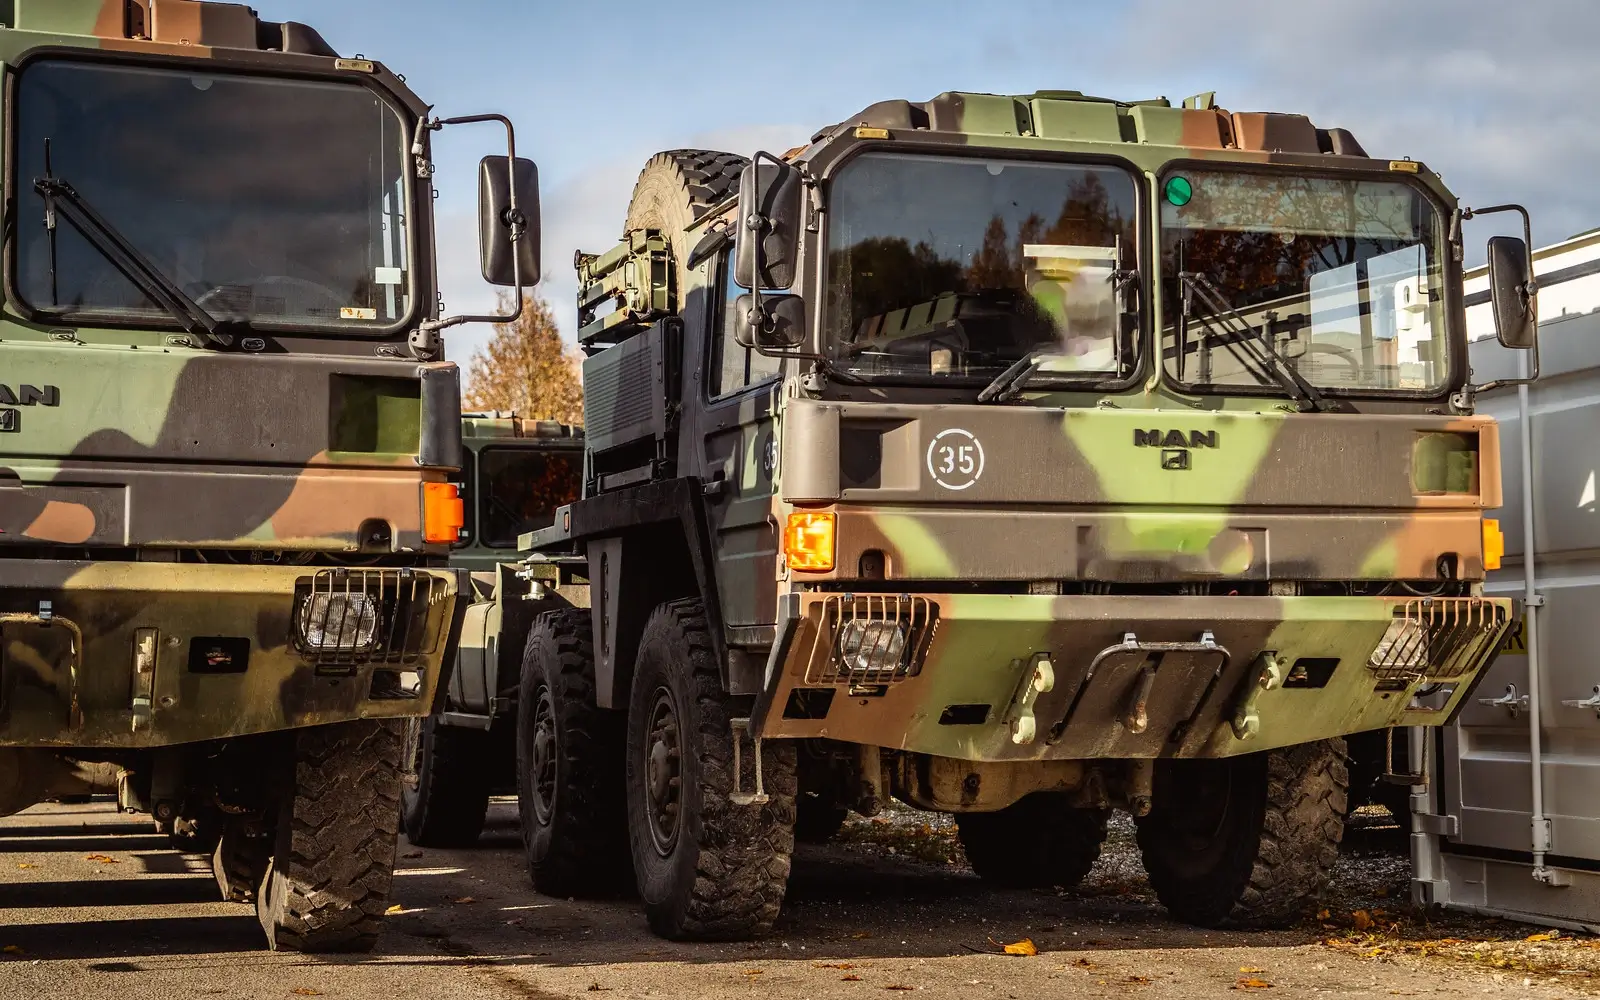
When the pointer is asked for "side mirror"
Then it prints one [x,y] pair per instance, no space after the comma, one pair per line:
[785,326]
[768,238]
[501,255]
[1513,293]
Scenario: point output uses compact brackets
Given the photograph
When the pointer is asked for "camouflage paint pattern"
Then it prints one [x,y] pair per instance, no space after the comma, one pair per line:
[166,492]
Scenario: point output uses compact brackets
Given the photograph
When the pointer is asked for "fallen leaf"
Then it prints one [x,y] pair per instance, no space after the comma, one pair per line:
[849,979]
[861,935]
[13,949]
[25,866]
[305,991]
[1323,914]
[396,908]
[1363,919]
[1551,936]
[466,899]
[1247,969]
[101,859]
[1252,984]
[1023,947]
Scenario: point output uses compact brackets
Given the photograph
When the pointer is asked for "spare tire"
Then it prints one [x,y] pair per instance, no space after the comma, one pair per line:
[675,189]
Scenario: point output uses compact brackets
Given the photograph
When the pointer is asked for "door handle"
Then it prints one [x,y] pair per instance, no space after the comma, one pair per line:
[1510,701]
[715,486]
[1593,701]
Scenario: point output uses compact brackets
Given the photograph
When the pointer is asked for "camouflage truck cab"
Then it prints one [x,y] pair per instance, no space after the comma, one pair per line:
[1025,457]
[514,474]
[226,440]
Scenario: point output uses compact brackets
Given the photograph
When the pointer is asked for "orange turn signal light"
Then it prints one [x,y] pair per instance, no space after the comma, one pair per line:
[1494,544]
[443,514]
[808,540]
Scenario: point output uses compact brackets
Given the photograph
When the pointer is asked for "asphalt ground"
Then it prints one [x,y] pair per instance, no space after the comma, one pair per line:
[94,905]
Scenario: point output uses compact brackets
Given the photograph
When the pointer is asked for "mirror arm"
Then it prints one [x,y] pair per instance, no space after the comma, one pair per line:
[757,225]
[514,218]
[1528,290]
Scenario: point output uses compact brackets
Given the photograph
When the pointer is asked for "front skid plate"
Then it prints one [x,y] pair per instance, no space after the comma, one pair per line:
[44,701]
[985,648]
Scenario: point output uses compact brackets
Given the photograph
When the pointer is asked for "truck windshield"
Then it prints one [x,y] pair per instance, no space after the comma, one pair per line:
[953,268]
[1274,279]
[272,202]
[521,490]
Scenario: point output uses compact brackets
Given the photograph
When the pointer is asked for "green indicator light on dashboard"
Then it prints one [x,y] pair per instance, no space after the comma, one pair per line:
[1179,191]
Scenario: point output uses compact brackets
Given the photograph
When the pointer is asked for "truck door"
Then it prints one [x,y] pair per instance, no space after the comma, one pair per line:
[738,450]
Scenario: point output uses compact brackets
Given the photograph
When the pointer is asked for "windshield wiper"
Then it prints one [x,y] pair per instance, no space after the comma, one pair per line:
[61,198]
[1254,340]
[1008,385]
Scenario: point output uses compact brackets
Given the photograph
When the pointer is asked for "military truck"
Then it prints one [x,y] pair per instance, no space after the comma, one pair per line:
[1022,458]
[514,474]
[226,437]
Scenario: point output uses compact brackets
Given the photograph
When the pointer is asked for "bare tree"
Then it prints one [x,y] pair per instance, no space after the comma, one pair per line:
[527,368]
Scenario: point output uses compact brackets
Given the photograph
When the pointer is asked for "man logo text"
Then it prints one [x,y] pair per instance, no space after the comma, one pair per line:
[1174,439]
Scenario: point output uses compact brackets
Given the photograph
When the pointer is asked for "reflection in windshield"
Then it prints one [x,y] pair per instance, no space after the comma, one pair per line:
[270,201]
[945,266]
[1339,279]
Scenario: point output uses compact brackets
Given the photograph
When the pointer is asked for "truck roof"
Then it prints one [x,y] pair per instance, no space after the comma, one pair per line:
[1068,114]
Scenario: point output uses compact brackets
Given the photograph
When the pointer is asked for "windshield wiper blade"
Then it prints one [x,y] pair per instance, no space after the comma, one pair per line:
[61,198]
[1008,384]
[1292,382]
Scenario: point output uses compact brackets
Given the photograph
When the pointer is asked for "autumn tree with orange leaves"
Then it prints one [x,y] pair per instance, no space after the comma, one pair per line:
[526,368]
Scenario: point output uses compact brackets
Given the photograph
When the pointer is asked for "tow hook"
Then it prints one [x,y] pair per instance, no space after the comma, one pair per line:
[1268,675]
[1039,679]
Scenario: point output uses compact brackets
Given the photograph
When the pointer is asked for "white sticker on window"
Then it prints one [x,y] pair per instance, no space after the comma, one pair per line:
[389,276]
[357,312]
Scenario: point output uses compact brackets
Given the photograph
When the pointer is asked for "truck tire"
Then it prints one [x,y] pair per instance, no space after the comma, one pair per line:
[451,798]
[569,765]
[708,869]
[1245,840]
[1040,841]
[239,861]
[333,859]
[674,189]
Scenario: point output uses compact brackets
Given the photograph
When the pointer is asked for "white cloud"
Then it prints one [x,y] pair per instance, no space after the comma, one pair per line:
[1492,95]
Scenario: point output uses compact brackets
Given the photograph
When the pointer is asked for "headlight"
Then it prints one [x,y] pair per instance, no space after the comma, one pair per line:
[872,645]
[339,622]
[1404,646]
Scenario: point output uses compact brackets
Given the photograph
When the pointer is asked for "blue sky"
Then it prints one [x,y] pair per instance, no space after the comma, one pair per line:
[1491,94]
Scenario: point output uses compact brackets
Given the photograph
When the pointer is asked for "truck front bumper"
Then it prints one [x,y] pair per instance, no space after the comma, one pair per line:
[996,677]
[144,654]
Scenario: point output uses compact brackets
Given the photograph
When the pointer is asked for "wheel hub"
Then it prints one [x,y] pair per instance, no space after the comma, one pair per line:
[544,756]
[663,768]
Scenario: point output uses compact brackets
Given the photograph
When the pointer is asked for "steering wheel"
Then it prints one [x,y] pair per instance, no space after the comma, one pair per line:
[218,295]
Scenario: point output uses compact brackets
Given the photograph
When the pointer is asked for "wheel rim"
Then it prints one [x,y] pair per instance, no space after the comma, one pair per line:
[663,770]
[544,756]
[1201,815]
